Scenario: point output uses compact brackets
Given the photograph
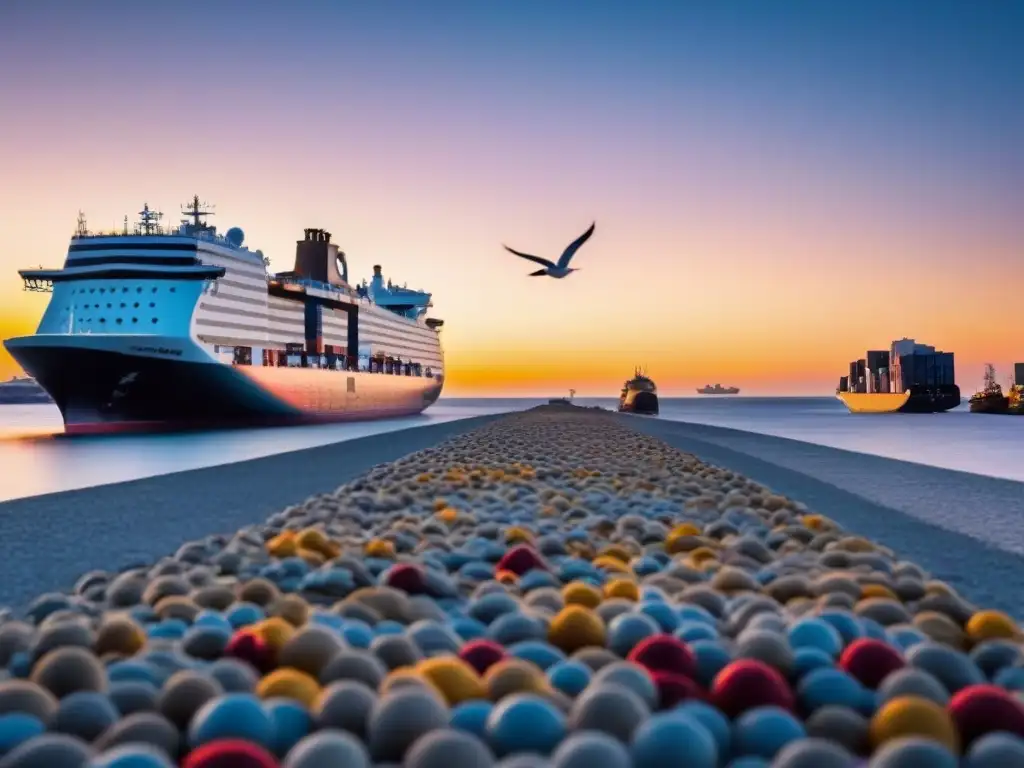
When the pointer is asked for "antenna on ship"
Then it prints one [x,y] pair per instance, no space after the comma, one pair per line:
[81,230]
[125,230]
[150,220]
[196,210]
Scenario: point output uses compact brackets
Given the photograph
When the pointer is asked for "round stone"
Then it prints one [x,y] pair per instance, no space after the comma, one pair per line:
[576,627]
[870,661]
[456,679]
[85,714]
[981,709]
[813,753]
[664,653]
[912,716]
[913,752]
[184,694]
[448,749]
[995,750]
[231,716]
[230,753]
[764,731]
[746,684]
[50,750]
[290,684]
[673,736]
[989,625]
[66,670]
[399,719]
[345,706]
[525,722]
[149,728]
[608,708]
[589,749]
[840,725]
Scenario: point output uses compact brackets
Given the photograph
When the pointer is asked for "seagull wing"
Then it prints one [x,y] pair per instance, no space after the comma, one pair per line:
[574,246]
[536,259]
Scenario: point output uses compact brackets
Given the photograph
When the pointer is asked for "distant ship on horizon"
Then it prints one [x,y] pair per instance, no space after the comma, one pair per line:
[718,389]
[23,390]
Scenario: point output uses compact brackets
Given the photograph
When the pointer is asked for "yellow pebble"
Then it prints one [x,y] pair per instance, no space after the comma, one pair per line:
[622,588]
[576,627]
[448,514]
[291,684]
[618,552]
[510,676]
[989,625]
[581,593]
[702,553]
[456,680]
[276,631]
[402,676]
[877,590]
[379,548]
[312,539]
[816,522]
[424,477]
[913,716]
[517,534]
[684,529]
[612,564]
[311,556]
[283,545]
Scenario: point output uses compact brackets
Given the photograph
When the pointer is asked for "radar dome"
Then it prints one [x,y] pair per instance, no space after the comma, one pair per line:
[235,236]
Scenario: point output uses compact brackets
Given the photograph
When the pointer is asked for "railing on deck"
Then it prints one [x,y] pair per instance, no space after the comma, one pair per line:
[273,358]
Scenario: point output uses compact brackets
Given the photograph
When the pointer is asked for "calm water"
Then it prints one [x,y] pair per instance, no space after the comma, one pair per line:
[35,459]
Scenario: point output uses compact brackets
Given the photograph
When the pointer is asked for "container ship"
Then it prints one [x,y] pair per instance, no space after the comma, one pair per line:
[639,395]
[991,398]
[907,378]
[718,389]
[184,327]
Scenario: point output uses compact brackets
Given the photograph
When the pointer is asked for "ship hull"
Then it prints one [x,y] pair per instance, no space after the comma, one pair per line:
[645,403]
[914,400]
[103,387]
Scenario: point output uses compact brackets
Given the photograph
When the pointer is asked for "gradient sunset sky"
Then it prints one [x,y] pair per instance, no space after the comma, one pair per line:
[777,186]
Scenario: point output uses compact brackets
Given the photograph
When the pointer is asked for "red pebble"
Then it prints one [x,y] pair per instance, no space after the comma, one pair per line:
[407,577]
[981,709]
[664,653]
[673,688]
[248,646]
[230,753]
[521,559]
[749,683]
[481,654]
[870,661]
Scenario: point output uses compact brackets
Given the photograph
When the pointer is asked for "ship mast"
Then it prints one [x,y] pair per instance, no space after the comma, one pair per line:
[990,377]
[81,230]
[196,210]
[150,220]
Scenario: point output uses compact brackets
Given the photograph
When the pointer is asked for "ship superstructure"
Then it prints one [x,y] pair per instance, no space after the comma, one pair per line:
[178,327]
[908,377]
[639,394]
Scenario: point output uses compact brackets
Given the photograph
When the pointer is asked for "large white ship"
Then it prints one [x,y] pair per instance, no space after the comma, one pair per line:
[183,327]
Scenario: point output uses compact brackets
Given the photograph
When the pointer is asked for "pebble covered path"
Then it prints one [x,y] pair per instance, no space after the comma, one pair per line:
[553,590]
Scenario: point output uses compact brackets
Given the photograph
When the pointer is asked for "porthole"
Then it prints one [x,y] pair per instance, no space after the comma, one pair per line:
[173,289]
[103,319]
[108,305]
[154,289]
[139,289]
[125,289]
[154,321]
[123,305]
[92,290]
[136,305]
[103,290]
[119,321]
[152,303]
[135,319]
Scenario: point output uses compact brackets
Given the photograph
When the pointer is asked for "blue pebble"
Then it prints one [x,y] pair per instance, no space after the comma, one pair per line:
[469,629]
[234,715]
[491,606]
[144,614]
[357,633]
[749,761]
[471,717]
[132,756]
[691,612]
[537,652]
[996,750]
[764,731]
[905,637]
[213,619]
[845,623]
[1010,678]
[168,629]
[511,628]
[714,720]
[130,669]
[809,658]
[662,613]
[16,728]
[535,579]
[711,657]
[244,614]
[952,668]
[332,621]
[669,739]
[692,631]
[628,629]
[477,571]
[570,677]
[388,627]
[873,629]
[816,633]
[829,686]
[645,566]
[291,723]
[20,664]
[433,638]
[994,655]
[524,722]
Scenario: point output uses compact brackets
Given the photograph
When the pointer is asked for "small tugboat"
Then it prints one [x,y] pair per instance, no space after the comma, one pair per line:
[639,395]
[990,399]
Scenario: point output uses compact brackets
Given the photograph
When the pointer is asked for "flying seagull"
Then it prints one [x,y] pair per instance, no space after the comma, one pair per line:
[562,268]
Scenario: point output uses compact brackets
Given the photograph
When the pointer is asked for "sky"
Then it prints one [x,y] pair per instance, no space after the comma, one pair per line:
[777,187]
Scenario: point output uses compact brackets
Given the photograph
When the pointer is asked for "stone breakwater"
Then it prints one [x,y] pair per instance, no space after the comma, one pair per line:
[553,589]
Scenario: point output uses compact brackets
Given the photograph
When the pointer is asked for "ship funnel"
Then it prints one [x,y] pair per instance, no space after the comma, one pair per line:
[317,258]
